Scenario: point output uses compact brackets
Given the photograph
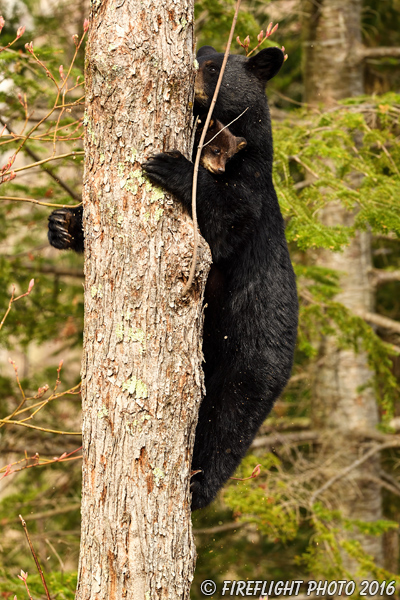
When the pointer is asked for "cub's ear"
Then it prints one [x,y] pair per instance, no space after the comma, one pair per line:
[266,64]
[205,50]
[240,144]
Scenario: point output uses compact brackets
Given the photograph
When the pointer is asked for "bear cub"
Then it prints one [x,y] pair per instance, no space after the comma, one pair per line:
[219,146]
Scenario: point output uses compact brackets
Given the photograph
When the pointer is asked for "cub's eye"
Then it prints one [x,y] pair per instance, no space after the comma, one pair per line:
[216,151]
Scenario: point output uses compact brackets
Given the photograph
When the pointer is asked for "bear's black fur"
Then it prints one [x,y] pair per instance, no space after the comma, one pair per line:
[251,316]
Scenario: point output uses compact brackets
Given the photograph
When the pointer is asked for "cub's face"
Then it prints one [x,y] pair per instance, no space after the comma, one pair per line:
[220,150]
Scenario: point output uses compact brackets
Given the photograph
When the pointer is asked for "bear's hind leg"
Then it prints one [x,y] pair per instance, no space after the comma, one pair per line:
[229,419]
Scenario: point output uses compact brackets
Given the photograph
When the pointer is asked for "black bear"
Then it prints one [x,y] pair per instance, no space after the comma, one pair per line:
[219,147]
[251,316]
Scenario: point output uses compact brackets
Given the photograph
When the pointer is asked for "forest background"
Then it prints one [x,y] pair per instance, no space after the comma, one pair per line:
[325,504]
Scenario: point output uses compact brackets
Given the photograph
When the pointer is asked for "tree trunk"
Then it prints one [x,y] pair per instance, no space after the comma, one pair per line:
[142,343]
[332,72]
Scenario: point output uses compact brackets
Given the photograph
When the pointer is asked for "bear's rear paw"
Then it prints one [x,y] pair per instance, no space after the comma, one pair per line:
[65,229]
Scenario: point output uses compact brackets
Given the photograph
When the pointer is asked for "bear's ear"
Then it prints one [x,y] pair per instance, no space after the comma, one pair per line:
[241,143]
[205,50]
[266,64]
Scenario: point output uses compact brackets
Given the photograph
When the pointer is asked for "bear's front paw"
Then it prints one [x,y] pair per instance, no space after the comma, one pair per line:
[161,168]
[173,172]
[65,229]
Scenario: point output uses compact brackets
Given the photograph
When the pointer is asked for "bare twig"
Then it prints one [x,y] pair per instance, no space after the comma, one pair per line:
[381,52]
[23,424]
[255,473]
[9,470]
[12,299]
[39,568]
[33,201]
[220,528]
[283,439]
[199,149]
[379,320]
[49,171]
[395,443]
[381,277]
[46,514]
[59,272]
[52,548]
[225,127]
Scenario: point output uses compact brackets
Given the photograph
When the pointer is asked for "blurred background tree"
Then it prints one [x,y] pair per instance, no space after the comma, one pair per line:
[325,504]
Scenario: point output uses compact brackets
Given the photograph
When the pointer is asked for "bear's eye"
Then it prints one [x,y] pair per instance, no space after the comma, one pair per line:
[216,151]
[212,68]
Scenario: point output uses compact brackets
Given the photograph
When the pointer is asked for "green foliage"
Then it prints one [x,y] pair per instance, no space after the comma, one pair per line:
[61,586]
[209,13]
[330,551]
[277,519]
[349,156]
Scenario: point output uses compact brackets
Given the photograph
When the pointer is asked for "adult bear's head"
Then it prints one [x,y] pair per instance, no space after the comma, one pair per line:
[243,83]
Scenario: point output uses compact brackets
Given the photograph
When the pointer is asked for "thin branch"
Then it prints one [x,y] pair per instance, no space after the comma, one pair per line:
[298,377]
[381,52]
[199,149]
[52,548]
[395,443]
[387,477]
[225,127]
[381,277]
[74,390]
[45,160]
[38,162]
[45,514]
[274,424]
[298,160]
[219,528]
[33,201]
[12,300]
[53,270]
[23,424]
[379,320]
[284,439]
[39,568]
[381,483]
[43,451]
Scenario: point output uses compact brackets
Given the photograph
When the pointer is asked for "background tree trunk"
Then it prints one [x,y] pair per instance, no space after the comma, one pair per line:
[142,342]
[332,71]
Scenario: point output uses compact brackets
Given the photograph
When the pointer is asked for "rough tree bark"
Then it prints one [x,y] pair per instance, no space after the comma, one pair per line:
[142,342]
[332,33]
